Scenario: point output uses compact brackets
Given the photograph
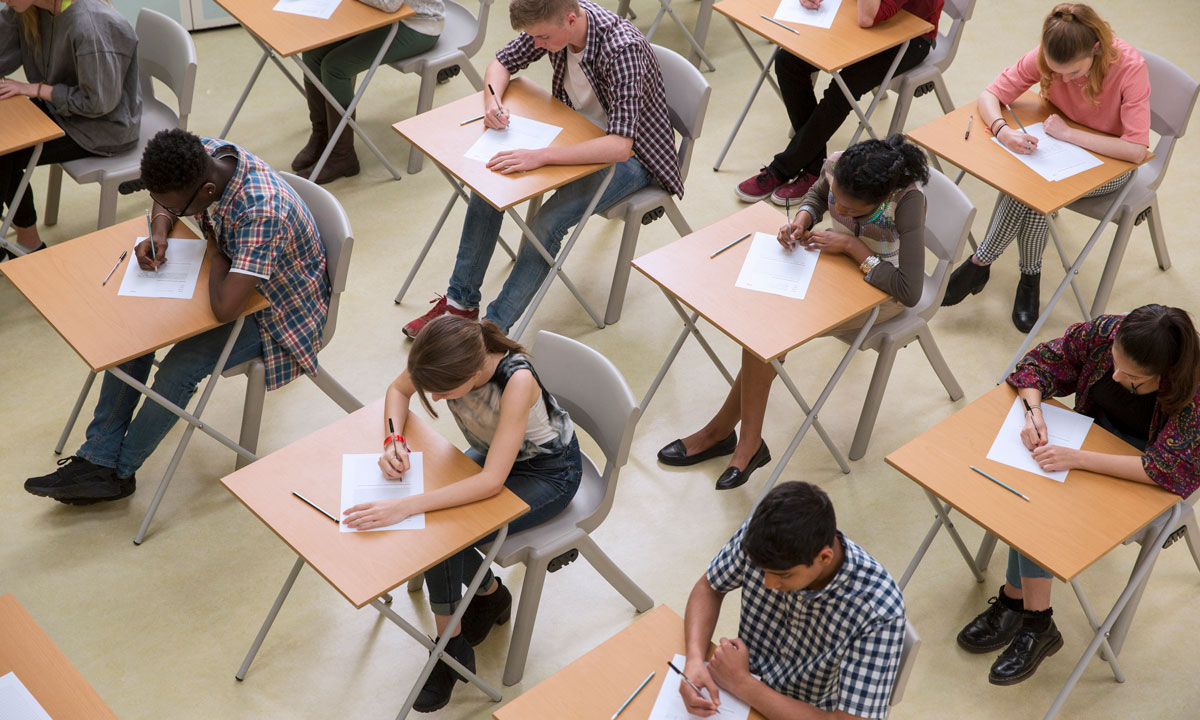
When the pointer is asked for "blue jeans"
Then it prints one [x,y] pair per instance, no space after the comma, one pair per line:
[559,214]
[1020,566]
[546,483]
[113,440]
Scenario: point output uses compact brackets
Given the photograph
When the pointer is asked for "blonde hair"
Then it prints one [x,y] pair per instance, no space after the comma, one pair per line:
[1071,31]
[29,24]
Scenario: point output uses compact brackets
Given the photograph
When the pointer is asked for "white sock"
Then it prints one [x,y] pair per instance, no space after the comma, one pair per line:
[455,304]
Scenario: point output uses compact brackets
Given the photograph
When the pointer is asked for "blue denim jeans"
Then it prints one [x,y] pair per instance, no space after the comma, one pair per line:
[1020,566]
[546,483]
[559,214]
[115,438]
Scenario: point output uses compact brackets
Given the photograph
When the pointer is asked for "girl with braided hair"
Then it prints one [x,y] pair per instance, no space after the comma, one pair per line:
[878,216]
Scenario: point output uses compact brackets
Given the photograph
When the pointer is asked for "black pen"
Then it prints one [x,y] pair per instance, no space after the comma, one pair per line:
[967,134]
[114,267]
[493,92]
[314,506]
[689,682]
[392,430]
[1029,412]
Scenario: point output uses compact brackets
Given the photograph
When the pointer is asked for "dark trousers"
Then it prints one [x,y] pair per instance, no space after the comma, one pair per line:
[13,165]
[816,122]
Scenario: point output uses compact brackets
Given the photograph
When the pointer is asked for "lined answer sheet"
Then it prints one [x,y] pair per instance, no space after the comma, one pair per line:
[1063,428]
[792,11]
[1054,159]
[771,268]
[522,133]
[176,278]
[364,482]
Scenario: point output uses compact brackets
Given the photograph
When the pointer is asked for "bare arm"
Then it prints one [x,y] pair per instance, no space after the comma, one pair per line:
[607,149]
[394,460]
[699,622]
[1113,147]
[496,77]
[867,10]
[228,291]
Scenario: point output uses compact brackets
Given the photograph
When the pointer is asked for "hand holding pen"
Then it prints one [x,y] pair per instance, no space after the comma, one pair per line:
[394,460]
[1033,435]
[153,251]
[496,116]
[796,232]
[693,698]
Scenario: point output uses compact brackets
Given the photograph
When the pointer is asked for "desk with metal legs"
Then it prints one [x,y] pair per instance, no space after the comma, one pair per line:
[22,125]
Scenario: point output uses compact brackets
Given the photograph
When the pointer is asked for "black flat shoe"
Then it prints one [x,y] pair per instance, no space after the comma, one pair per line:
[1027,303]
[675,454]
[1022,657]
[967,279]
[993,628]
[736,477]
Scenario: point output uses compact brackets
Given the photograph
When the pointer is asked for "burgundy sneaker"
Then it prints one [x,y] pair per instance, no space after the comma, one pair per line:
[441,307]
[758,187]
[794,190]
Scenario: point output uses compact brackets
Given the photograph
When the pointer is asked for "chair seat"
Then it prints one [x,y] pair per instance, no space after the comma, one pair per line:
[639,201]
[563,528]
[127,165]
[1140,196]
[457,32]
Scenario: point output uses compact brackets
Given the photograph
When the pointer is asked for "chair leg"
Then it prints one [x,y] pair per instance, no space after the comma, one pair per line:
[256,391]
[527,607]
[335,391]
[1112,265]
[107,215]
[416,582]
[1192,534]
[1158,237]
[904,98]
[938,363]
[943,94]
[677,219]
[614,575]
[469,71]
[870,410]
[53,194]
[424,102]
[620,281]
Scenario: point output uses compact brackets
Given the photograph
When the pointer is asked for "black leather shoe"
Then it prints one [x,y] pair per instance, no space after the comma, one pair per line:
[1027,302]
[991,629]
[967,279]
[485,612]
[1027,650]
[440,684]
[673,453]
[736,477]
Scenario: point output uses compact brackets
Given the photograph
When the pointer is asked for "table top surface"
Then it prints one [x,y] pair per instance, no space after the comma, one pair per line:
[989,162]
[364,565]
[595,685]
[844,43]
[63,282]
[288,33]
[439,135]
[23,125]
[1065,527]
[42,668]
[767,325]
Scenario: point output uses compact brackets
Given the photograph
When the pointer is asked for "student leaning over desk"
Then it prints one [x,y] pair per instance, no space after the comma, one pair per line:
[1138,375]
[1096,80]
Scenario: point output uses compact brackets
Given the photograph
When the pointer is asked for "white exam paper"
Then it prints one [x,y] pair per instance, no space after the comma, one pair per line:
[322,9]
[521,134]
[771,268]
[669,704]
[1063,428]
[16,702]
[175,278]
[792,11]
[1054,159]
[363,482]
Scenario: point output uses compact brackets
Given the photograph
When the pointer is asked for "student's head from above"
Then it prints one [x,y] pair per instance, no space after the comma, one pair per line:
[1157,346]
[792,538]
[551,23]
[448,357]
[868,172]
[178,173]
[54,6]
[1077,47]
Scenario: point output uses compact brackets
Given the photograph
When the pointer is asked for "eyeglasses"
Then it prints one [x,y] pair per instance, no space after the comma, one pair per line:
[184,211]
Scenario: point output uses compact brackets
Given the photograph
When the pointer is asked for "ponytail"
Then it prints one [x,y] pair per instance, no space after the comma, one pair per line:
[449,350]
[1162,340]
[872,170]
[1072,31]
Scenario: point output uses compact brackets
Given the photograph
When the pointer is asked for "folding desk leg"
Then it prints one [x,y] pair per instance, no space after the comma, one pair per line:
[919,555]
[689,326]
[1106,650]
[266,626]
[942,520]
[987,546]
[696,47]
[83,393]
[22,187]
[766,70]
[268,53]
[1062,257]
[437,228]
[1116,638]
[703,19]
[864,120]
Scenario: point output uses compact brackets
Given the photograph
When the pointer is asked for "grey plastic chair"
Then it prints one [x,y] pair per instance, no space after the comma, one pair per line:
[687,102]
[461,38]
[1172,97]
[908,657]
[947,222]
[931,68]
[165,52]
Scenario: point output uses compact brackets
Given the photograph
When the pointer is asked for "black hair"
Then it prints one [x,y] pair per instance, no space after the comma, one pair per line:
[174,160]
[790,527]
[1162,340]
[872,169]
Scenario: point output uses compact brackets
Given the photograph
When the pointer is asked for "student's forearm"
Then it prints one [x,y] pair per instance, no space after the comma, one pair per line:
[1127,467]
[1107,145]
[777,706]
[700,618]
[607,149]
[479,486]
[989,109]
[496,76]
[867,10]
[395,406]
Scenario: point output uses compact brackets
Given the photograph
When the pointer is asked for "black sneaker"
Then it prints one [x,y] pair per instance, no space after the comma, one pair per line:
[436,693]
[81,482]
[485,612]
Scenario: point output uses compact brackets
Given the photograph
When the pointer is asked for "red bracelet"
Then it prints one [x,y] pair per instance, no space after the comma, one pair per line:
[395,438]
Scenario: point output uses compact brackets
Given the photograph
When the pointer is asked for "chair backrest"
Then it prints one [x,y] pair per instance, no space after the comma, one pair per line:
[166,52]
[943,53]
[948,219]
[333,227]
[1172,98]
[908,656]
[687,100]
[476,42]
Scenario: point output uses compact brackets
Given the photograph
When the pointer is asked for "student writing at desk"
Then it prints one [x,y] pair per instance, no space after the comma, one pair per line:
[605,69]
[1095,79]
[822,621]
[1138,375]
[267,239]
[522,440]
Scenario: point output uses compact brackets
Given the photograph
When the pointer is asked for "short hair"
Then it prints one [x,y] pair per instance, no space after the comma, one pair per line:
[790,527]
[524,14]
[174,160]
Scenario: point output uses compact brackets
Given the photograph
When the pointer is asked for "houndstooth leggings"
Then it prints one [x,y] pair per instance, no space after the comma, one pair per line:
[1013,218]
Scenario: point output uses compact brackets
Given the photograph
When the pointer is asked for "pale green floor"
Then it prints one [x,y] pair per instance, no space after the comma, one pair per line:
[160,629]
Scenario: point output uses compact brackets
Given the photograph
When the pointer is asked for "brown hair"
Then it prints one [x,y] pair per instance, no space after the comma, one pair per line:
[524,14]
[449,350]
[1071,31]
[1162,340]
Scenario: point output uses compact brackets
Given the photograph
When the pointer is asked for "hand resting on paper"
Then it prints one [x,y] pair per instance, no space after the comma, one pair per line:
[394,461]
[1057,128]
[796,234]
[697,672]
[378,514]
[829,241]
[730,664]
[1053,458]
[810,4]
[506,162]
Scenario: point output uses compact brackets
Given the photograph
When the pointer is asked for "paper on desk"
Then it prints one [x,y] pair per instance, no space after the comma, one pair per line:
[1054,159]
[521,134]
[363,482]
[175,278]
[1063,428]
[669,704]
[16,702]
[792,11]
[312,8]
[770,268]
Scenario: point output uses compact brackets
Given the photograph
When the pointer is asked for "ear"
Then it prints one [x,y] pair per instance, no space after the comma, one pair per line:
[825,557]
[1096,48]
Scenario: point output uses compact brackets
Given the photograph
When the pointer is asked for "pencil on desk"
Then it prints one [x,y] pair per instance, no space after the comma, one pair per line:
[468,122]
[735,242]
[785,27]
[631,697]
[316,507]
[1006,487]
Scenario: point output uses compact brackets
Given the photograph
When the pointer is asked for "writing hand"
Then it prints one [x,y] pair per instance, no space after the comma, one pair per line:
[394,461]
[1017,141]
[810,4]
[1033,435]
[507,162]
[142,253]
[697,704]
[495,117]
[376,514]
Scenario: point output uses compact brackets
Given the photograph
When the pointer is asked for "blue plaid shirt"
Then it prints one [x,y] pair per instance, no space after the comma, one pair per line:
[837,648]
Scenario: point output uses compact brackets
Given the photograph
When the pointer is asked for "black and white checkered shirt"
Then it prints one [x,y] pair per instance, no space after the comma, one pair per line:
[622,69]
[837,648]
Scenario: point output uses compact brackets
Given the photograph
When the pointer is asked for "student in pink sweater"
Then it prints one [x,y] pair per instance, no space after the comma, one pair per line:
[1094,79]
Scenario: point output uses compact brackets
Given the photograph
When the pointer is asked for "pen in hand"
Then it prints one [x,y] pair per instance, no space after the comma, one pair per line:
[1029,412]
[689,682]
[150,238]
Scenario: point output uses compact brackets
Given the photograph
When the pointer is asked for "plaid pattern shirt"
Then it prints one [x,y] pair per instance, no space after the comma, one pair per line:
[837,648]
[266,231]
[622,69]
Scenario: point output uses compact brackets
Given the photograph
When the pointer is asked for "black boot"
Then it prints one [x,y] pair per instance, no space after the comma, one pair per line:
[440,684]
[342,160]
[485,612]
[967,279]
[993,628]
[1027,302]
[1036,640]
[319,137]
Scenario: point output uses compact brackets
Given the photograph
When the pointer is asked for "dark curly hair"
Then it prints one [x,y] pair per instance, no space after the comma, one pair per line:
[174,160]
[872,169]
[790,527]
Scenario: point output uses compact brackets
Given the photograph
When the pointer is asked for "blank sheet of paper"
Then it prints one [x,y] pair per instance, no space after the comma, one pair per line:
[364,482]
[16,702]
[669,704]
[792,11]
[176,278]
[322,9]
[1063,428]
[521,134]
[1054,159]
[771,268]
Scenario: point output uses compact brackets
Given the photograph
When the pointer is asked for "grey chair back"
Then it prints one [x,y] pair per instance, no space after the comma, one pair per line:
[948,219]
[687,100]
[1172,98]
[943,52]
[908,656]
[166,53]
[333,227]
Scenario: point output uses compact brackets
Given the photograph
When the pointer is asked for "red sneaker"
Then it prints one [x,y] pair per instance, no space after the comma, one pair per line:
[794,190]
[441,307]
[758,187]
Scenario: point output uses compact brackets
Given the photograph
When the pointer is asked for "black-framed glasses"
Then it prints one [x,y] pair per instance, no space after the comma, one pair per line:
[183,212]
